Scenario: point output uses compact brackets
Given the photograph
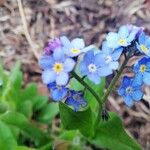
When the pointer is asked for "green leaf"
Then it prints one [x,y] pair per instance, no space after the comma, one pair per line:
[111,135]
[16,77]
[24,148]
[29,92]
[48,112]
[82,120]
[39,102]
[7,141]
[75,85]
[99,89]
[25,108]
[19,120]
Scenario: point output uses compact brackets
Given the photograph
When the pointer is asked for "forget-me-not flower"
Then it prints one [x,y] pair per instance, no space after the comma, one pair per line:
[142,69]
[56,67]
[75,47]
[52,45]
[111,56]
[57,93]
[94,67]
[121,39]
[143,44]
[135,31]
[76,100]
[130,90]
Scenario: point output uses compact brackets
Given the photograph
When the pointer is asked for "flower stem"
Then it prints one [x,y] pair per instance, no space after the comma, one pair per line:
[115,79]
[87,87]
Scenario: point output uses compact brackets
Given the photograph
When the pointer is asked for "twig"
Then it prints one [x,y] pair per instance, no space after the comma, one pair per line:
[33,46]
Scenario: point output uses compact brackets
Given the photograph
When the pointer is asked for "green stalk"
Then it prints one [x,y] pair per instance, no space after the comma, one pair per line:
[87,87]
[115,79]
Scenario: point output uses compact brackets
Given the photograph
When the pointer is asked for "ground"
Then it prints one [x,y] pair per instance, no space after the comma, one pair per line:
[90,19]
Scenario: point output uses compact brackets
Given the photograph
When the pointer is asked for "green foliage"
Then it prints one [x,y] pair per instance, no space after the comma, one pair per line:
[22,112]
[27,117]
[112,135]
[81,120]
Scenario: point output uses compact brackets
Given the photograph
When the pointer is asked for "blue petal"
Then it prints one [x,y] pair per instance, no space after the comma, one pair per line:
[121,91]
[89,57]
[126,81]
[65,41]
[83,68]
[147,42]
[132,36]
[46,62]
[137,95]
[58,54]
[99,59]
[136,67]
[113,44]
[62,78]
[112,37]
[142,38]
[106,50]
[146,78]
[117,53]
[138,80]
[78,43]
[88,48]
[69,64]
[128,100]
[48,76]
[104,71]
[123,32]
[58,94]
[114,65]
[94,77]
[72,102]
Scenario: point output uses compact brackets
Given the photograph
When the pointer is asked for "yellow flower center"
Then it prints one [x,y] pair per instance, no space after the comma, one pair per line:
[58,67]
[75,51]
[122,41]
[144,48]
[142,68]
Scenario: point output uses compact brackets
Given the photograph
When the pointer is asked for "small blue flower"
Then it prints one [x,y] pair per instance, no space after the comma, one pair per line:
[121,39]
[143,44]
[52,45]
[111,56]
[57,93]
[135,31]
[75,47]
[94,67]
[76,100]
[130,90]
[142,69]
[56,67]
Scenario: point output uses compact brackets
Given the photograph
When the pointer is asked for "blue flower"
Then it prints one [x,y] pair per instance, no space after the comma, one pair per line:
[75,47]
[142,69]
[111,56]
[143,44]
[76,100]
[56,67]
[57,93]
[52,45]
[135,31]
[130,90]
[121,39]
[93,66]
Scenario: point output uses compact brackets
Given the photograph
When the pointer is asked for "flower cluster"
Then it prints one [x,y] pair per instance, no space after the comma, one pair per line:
[62,57]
